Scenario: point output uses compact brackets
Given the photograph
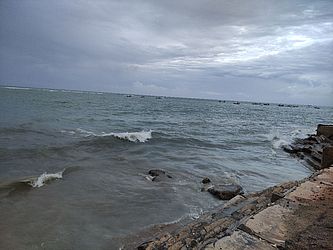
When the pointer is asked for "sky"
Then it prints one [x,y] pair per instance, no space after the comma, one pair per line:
[257,50]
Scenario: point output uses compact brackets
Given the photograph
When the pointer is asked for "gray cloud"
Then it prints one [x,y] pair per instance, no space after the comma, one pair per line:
[256,50]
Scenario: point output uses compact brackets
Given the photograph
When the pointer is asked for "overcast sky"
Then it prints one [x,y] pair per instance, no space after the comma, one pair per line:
[256,50]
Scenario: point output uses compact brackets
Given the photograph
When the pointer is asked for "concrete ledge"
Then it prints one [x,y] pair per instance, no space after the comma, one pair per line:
[327,158]
[240,240]
[326,130]
[270,224]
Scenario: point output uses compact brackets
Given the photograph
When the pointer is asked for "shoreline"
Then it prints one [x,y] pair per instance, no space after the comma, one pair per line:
[291,215]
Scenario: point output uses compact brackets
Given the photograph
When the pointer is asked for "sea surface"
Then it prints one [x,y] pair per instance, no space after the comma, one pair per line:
[74,165]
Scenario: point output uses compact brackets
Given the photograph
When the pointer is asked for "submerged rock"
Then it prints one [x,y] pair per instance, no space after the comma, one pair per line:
[158,174]
[205,180]
[225,192]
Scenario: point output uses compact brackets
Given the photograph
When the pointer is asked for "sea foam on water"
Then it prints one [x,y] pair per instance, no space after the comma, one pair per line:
[141,136]
[45,177]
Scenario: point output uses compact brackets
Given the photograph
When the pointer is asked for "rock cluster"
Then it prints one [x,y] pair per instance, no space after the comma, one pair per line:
[297,218]
[316,150]
[211,227]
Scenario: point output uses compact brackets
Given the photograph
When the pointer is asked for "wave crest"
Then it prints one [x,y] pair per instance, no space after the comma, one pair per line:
[44,178]
[16,88]
[141,136]
[279,140]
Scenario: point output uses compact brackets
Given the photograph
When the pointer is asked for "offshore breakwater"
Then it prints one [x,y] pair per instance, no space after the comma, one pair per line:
[293,215]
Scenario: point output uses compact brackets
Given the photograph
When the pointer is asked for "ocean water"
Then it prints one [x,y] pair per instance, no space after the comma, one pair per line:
[73,165]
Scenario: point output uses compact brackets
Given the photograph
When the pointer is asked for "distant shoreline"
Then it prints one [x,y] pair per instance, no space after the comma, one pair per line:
[163,96]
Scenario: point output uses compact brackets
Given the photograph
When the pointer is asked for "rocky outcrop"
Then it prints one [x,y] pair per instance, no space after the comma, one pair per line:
[316,150]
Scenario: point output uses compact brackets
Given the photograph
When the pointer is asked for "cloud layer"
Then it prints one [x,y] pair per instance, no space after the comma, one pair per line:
[258,50]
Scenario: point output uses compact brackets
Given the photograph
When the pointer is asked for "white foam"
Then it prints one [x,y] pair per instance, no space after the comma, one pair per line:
[68,132]
[85,133]
[16,88]
[232,177]
[279,143]
[45,177]
[278,139]
[141,136]
[195,212]
[72,91]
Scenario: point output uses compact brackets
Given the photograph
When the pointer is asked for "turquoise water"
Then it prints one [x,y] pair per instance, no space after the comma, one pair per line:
[100,146]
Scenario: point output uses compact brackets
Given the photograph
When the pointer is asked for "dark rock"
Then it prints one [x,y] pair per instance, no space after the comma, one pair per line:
[313,163]
[276,196]
[144,245]
[290,149]
[293,149]
[193,243]
[205,180]
[158,174]
[307,149]
[225,192]
[301,155]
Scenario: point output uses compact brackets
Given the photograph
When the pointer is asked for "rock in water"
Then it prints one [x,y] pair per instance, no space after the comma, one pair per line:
[205,180]
[158,174]
[225,192]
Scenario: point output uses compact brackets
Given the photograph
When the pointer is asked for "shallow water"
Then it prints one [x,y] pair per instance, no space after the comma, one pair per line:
[100,146]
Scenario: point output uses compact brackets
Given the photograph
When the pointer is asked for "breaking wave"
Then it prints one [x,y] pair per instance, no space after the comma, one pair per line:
[141,136]
[45,178]
[279,140]
[26,183]
[17,88]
